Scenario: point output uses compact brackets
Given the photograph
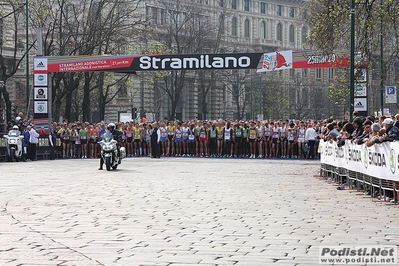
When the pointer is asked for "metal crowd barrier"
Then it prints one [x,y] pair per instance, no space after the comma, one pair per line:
[359,181]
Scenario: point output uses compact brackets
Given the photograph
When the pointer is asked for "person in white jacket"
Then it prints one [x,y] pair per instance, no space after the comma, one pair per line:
[33,140]
[310,139]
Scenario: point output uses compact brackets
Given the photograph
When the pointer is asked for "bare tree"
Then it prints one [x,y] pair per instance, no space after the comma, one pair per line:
[184,29]
[88,27]
[236,83]
[11,59]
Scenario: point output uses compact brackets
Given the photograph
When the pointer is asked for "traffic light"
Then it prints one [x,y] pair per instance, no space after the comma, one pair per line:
[142,113]
[134,113]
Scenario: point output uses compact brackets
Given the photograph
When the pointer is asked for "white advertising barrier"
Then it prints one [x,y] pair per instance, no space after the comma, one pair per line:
[379,160]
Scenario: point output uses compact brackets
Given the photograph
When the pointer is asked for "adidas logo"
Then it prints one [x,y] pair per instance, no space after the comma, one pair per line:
[40,65]
[359,104]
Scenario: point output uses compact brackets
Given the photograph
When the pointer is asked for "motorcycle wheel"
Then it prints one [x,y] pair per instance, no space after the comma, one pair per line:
[108,163]
[12,155]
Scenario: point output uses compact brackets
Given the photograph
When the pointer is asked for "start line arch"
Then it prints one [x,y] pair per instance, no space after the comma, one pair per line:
[263,62]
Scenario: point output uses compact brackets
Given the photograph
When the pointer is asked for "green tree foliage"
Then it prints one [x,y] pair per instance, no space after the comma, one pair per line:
[330,30]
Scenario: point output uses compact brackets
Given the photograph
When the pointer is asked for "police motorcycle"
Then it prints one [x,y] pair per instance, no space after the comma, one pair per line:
[109,151]
[14,144]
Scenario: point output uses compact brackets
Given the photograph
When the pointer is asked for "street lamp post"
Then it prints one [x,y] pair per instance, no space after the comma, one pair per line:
[352,61]
[2,85]
[381,64]
[27,56]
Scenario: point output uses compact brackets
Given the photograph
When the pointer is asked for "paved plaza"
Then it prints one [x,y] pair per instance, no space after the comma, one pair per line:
[181,211]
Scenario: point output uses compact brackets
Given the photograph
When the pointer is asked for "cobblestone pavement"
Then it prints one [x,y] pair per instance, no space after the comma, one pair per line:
[181,211]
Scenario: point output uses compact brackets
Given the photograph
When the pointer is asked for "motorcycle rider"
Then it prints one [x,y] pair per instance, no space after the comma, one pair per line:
[16,132]
[117,135]
[15,128]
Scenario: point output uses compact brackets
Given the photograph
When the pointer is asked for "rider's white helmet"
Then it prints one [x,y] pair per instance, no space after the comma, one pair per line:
[15,128]
[111,126]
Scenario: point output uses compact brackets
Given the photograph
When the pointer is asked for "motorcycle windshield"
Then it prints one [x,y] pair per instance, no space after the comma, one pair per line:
[14,133]
[107,137]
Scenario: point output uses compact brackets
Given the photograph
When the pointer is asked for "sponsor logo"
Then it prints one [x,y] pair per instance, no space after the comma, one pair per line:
[392,161]
[377,159]
[41,65]
[40,108]
[346,154]
[40,78]
[365,157]
[355,155]
[198,62]
[359,105]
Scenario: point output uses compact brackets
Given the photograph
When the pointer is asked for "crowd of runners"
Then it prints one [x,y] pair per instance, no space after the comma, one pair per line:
[222,138]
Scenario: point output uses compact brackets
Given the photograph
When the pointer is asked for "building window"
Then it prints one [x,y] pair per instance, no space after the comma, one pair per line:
[330,74]
[396,71]
[292,12]
[262,8]
[246,28]
[221,3]
[304,72]
[162,18]
[262,28]
[19,87]
[304,35]
[122,93]
[1,32]
[234,27]
[154,15]
[292,34]
[221,24]
[70,14]
[246,5]
[279,32]
[318,73]
[305,14]
[279,10]
[93,10]
[234,4]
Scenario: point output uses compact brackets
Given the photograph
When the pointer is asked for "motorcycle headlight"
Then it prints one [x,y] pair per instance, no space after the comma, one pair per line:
[12,141]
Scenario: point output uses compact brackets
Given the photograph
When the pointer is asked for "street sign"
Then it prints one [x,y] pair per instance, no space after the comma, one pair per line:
[390,94]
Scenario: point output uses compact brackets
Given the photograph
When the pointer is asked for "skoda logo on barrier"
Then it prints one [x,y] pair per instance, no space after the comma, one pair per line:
[365,156]
[392,161]
[334,152]
[40,77]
